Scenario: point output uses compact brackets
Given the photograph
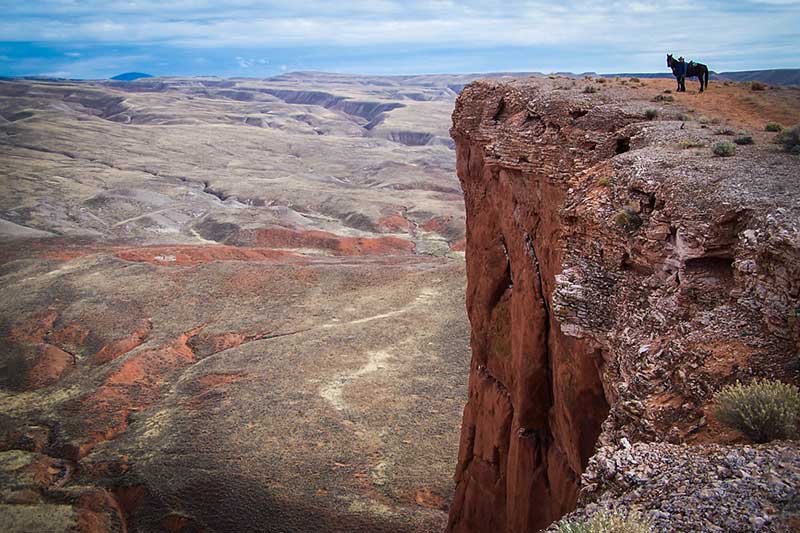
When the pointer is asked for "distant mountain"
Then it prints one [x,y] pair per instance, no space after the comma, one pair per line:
[131,76]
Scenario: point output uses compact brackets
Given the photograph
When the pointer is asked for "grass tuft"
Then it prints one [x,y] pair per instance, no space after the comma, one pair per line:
[651,114]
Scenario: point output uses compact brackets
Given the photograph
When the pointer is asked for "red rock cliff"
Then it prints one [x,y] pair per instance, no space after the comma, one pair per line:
[597,275]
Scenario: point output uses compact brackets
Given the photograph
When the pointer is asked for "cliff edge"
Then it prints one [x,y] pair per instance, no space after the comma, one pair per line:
[618,274]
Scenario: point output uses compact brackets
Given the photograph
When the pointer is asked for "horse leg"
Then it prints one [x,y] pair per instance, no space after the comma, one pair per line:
[700,77]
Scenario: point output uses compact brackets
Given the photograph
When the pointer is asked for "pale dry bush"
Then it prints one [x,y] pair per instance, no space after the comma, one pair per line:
[764,410]
[604,522]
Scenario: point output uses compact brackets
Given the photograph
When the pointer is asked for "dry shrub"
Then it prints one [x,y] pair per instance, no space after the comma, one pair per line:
[605,522]
[724,149]
[685,144]
[790,139]
[628,219]
[764,410]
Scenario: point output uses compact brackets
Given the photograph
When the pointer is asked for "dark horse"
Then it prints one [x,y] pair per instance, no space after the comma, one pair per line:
[698,70]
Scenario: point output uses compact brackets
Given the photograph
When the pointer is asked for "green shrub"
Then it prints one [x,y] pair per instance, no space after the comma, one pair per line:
[744,139]
[651,114]
[663,98]
[605,181]
[628,219]
[790,139]
[773,126]
[764,410]
[634,80]
[757,86]
[724,149]
[605,522]
[685,117]
[726,131]
[601,80]
[703,119]
[590,89]
[685,144]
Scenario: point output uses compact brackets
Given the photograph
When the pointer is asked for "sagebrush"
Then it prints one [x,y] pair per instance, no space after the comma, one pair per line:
[690,143]
[628,219]
[790,139]
[724,149]
[763,410]
[604,522]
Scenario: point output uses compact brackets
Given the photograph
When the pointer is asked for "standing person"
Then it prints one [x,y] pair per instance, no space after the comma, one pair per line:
[682,68]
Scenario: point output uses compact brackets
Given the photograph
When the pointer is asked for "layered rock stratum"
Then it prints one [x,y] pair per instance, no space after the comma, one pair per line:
[618,274]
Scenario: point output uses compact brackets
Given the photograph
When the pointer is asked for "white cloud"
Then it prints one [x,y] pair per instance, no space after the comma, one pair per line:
[693,28]
[244,63]
[248,23]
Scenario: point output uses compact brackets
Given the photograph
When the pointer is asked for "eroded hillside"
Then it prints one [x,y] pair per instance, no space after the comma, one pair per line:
[230,304]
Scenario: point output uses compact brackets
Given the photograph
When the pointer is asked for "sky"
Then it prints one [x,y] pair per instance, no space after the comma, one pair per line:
[101,38]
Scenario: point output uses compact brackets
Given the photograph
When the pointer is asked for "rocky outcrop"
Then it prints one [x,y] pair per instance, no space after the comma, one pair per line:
[614,282]
[712,488]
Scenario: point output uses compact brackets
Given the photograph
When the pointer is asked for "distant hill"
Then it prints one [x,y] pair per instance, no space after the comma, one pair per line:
[781,76]
[784,76]
[131,76]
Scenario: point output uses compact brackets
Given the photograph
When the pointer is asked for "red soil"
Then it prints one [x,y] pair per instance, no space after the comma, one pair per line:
[51,364]
[135,385]
[437,224]
[111,351]
[736,103]
[34,329]
[195,255]
[395,222]
[335,244]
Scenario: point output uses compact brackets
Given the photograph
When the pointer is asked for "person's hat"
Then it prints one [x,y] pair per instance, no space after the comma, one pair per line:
[680,58]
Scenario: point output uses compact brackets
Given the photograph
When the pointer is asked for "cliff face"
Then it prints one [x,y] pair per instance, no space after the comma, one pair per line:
[614,280]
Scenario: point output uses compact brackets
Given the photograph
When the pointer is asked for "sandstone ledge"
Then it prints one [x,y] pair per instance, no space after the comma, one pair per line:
[615,281]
